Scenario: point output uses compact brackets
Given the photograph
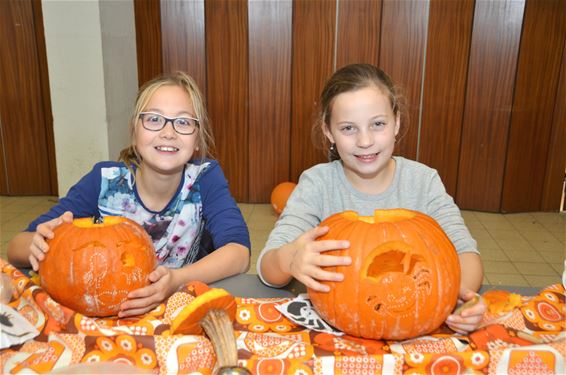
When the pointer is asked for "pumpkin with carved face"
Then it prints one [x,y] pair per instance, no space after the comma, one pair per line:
[403,280]
[92,266]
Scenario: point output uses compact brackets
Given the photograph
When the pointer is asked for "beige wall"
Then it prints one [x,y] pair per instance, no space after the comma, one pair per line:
[91,55]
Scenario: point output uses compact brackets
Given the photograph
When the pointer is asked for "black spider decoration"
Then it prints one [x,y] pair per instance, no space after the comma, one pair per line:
[5,319]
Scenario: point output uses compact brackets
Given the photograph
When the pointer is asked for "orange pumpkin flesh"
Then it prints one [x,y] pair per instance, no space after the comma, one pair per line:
[213,310]
[188,321]
[91,267]
[403,281]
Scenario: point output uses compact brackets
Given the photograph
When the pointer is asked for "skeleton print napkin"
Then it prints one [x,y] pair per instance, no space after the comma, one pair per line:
[301,311]
[14,328]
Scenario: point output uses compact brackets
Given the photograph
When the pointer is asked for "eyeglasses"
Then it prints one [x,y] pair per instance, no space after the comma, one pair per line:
[155,122]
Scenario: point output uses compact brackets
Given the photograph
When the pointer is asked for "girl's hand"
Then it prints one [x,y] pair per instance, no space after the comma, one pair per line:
[467,319]
[43,232]
[307,259]
[142,300]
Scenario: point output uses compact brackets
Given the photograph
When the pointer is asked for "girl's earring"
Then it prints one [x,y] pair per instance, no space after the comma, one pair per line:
[332,153]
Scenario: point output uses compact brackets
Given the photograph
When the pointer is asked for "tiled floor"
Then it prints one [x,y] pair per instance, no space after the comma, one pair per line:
[525,249]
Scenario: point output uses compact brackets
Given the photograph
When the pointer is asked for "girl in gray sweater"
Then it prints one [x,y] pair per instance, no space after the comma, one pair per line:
[360,120]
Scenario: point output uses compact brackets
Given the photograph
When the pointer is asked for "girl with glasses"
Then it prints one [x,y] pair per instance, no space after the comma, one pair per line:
[166,182]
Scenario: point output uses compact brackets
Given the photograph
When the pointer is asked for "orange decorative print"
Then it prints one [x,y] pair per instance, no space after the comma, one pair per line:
[122,349]
[532,362]
[43,361]
[528,338]
[260,315]
[546,311]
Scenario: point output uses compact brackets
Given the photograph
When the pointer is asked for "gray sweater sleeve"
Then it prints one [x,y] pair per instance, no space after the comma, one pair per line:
[441,207]
[302,213]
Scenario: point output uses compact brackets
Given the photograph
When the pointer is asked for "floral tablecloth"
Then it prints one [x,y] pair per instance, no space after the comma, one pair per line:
[527,339]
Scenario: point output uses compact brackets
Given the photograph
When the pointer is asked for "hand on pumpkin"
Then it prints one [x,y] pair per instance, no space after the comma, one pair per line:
[469,318]
[307,259]
[142,300]
[44,231]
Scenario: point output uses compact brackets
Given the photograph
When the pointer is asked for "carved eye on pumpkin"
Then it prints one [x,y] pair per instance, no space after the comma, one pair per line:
[404,277]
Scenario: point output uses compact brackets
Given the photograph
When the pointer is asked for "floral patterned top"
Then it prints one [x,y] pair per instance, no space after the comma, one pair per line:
[201,204]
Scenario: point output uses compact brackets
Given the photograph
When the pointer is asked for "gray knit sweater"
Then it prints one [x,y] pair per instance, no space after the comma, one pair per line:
[324,190]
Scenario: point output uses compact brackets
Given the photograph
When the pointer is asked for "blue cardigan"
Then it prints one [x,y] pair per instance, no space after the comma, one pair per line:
[201,209]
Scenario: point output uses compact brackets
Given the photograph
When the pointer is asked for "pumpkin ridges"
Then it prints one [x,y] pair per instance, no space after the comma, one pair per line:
[393,320]
[340,230]
[421,226]
[344,231]
[69,269]
[360,303]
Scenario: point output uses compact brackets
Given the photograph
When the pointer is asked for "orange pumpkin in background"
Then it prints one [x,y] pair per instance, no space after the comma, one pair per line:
[91,267]
[403,281]
[280,195]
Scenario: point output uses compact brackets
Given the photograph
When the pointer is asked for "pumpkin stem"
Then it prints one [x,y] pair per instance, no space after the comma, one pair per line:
[219,329]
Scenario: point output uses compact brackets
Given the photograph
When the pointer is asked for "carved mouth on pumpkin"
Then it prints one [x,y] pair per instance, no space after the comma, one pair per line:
[394,264]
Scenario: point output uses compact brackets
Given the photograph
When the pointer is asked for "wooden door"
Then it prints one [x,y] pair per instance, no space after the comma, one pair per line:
[27,148]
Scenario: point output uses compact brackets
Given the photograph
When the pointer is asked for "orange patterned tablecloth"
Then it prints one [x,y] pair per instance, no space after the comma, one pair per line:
[528,339]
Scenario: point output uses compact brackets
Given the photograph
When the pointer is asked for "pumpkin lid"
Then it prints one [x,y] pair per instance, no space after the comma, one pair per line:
[187,322]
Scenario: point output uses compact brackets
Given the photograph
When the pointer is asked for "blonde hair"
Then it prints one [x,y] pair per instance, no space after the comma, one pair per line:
[351,78]
[205,140]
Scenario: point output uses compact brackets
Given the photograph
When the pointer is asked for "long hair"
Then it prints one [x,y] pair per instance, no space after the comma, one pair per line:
[205,139]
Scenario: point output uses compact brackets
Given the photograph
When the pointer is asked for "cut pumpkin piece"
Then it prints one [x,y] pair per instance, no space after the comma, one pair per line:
[213,312]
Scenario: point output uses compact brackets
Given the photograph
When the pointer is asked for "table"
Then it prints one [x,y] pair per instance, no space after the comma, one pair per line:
[246,285]
[530,334]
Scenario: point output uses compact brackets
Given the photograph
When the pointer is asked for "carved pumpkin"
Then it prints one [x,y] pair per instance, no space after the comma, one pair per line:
[91,267]
[403,281]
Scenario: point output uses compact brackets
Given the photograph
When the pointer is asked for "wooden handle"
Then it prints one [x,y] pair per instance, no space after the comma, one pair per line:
[468,304]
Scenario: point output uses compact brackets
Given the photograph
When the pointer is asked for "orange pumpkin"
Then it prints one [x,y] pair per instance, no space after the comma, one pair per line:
[403,281]
[91,267]
[280,195]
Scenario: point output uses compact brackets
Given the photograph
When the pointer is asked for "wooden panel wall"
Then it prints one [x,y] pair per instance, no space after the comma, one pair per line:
[227,77]
[263,64]
[489,96]
[182,29]
[403,33]
[556,158]
[448,44]
[148,42]
[270,96]
[313,62]
[27,134]
[358,41]
[531,122]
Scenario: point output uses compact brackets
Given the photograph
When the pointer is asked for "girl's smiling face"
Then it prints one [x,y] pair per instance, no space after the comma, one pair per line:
[166,151]
[363,128]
